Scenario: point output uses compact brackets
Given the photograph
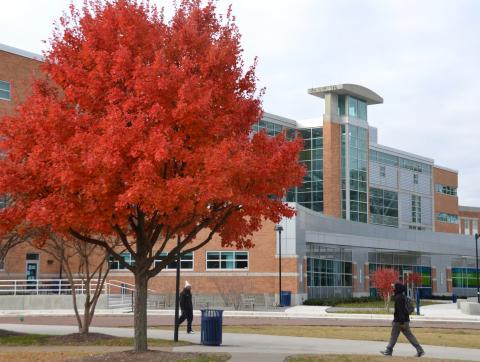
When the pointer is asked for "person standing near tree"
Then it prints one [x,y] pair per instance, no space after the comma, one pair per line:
[401,322]
[186,306]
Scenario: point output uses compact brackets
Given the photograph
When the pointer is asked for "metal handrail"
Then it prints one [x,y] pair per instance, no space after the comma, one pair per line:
[62,286]
[44,286]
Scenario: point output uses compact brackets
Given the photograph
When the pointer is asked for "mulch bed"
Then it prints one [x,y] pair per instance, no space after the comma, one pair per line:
[158,356]
[78,338]
[5,333]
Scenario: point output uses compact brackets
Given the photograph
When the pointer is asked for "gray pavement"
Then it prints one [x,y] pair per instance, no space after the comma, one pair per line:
[445,312]
[252,347]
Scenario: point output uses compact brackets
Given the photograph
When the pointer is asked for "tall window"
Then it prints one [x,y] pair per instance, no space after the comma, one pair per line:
[356,174]
[5,90]
[383,207]
[382,171]
[115,264]
[186,261]
[310,193]
[229,260]
[474,227]
[466,222]
[415,179]
[328,273]
[341,105]
[357,108]
[416,209]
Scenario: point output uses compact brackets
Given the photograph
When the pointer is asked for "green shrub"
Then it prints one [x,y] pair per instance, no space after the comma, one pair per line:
[335,301]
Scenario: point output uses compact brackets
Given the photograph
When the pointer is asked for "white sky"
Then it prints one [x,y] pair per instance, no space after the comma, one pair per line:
[422,57]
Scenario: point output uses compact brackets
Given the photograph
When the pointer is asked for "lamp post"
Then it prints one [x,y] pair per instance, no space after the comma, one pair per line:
[177,293]
[279,229]
[476,259]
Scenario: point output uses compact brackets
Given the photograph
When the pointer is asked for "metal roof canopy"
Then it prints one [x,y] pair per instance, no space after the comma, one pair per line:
[355,90]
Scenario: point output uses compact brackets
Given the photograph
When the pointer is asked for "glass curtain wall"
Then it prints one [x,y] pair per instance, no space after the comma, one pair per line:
[310,194]
[464,274]
[383,207]
[404,263]
[387,159]
[329,271]
[272,129]
[354,182]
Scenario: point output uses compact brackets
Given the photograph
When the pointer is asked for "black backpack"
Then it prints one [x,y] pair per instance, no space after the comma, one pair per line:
[409,306]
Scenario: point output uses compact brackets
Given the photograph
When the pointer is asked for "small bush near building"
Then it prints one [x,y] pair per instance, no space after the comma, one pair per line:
[331,302]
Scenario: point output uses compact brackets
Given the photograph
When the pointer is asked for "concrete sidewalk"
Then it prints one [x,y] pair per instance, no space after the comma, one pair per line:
[253,347]
[439,312]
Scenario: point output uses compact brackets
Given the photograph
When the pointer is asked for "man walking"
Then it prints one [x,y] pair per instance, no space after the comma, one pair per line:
[186,306]
[401,321]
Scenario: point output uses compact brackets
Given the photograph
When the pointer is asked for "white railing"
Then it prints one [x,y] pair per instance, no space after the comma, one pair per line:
[63,286]
[45,286]
[119,294]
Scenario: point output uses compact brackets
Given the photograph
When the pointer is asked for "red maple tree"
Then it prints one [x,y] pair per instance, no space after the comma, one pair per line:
[141,133]
[413,281]
[383,280]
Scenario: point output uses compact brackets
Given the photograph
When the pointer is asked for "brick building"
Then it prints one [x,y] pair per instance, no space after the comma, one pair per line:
[362,205]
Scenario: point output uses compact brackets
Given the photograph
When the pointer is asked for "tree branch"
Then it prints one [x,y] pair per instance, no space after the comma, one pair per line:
[104,245]
[173,253]
[123,238]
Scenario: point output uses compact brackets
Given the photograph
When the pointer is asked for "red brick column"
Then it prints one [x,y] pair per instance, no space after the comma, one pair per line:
[366,278]
[354,277]
[332,173]
[449,280]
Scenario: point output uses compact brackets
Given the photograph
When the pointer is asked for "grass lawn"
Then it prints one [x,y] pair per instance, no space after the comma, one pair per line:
[363,311]
[96,340]
[379,304]
[94,347]
[428,336]
[358,358]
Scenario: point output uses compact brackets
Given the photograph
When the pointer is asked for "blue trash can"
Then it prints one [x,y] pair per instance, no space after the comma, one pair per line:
[454,298]
[286,298]
[211,328]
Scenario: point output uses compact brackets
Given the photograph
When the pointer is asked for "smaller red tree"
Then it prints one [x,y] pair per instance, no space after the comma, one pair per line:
[383,280]
[413,280]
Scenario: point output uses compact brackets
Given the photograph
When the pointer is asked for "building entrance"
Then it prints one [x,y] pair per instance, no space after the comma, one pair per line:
[32,266]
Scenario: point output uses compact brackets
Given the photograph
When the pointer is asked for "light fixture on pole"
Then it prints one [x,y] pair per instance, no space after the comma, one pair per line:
[476,259]
[279,228]
[177,292]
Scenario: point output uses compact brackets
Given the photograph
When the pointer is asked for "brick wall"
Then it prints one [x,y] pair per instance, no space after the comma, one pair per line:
[332,194]
[19,72]
[261,276]
[445,203]
[466,225]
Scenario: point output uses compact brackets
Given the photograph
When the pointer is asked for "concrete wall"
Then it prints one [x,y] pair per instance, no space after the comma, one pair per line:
[469,307]
[45,302]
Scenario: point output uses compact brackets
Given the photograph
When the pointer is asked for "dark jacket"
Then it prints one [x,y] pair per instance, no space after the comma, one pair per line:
[186,300]
[400,315]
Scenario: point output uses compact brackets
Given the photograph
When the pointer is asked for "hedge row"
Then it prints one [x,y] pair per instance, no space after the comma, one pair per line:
[336,301]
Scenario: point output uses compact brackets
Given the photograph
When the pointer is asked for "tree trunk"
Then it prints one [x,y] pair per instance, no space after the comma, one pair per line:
[86,318]
[140,314]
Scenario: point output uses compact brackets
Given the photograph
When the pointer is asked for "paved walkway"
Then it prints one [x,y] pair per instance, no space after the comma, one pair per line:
[253,348]
[446,312]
